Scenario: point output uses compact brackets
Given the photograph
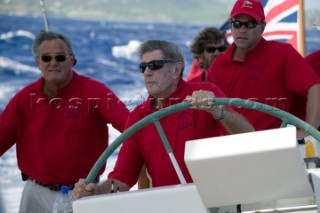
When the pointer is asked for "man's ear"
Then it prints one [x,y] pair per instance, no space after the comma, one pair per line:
[263,26]
[73,58]
[74,61]
[178,70]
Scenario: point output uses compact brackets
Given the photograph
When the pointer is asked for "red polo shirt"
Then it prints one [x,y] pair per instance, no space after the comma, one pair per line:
[271,74]
[58,140]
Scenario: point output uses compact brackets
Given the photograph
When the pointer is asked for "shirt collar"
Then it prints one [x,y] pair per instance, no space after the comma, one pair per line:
[258,49]
[70,87]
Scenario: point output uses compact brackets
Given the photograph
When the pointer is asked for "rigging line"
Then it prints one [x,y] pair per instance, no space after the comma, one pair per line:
[44,13]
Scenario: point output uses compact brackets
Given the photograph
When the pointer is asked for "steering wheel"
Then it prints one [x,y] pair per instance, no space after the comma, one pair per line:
[286,118]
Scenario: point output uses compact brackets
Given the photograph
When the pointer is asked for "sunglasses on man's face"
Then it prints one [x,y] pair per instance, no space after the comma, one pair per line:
[154,65]
[247,24]
[213,49]
[48,58]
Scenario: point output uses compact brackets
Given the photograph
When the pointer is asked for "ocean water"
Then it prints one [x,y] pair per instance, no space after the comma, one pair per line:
[105,51]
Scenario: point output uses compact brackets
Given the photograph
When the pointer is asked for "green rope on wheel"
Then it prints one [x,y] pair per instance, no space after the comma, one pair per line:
[287,118]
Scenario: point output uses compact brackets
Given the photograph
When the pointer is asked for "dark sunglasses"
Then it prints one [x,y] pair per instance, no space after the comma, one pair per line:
[247,24]
[154,65]
[48,58]
[213,49]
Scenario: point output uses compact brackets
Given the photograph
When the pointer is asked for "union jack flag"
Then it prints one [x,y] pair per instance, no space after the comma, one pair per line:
[284,22]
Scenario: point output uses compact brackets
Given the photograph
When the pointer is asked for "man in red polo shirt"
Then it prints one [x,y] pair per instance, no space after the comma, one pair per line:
[58,123]
[269,72]
[162,66]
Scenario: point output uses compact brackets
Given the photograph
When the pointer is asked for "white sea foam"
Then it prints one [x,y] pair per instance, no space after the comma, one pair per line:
[21,33]
[127,51]
[133,96]
[6,91]
[107,62]
[17,67]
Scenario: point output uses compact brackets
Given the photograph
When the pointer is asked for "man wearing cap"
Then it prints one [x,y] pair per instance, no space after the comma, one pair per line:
[269,72]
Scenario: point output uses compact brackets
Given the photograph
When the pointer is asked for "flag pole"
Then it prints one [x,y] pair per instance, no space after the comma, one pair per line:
[301,28]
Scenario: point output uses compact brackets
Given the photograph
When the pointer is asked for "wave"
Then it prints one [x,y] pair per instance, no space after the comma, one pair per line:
[18,33]
[127,51]
[17,67]
[5,91]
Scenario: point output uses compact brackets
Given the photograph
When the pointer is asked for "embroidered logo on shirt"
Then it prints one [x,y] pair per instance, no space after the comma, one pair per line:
[185,120]
[254,72]
[74,111]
